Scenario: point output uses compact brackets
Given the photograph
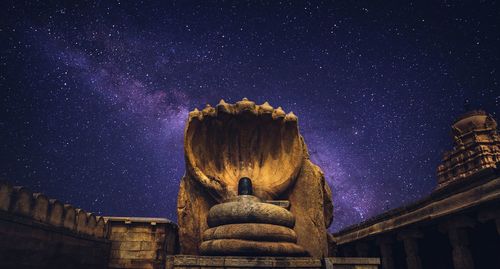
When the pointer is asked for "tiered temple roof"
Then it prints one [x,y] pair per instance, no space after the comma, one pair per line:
[476,149]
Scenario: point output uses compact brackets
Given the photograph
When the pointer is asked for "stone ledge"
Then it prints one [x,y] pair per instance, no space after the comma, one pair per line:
[188,261]
[427,210]
[130,220]
[7,217]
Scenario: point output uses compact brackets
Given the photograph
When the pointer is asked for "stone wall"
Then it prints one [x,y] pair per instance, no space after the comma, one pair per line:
[38,232]
[141,242]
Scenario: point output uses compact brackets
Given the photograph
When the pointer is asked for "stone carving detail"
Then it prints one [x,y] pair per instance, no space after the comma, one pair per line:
[231,141]
[476,148]
[247,226]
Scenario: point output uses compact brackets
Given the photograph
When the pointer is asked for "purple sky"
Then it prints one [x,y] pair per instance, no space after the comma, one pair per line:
[95,96]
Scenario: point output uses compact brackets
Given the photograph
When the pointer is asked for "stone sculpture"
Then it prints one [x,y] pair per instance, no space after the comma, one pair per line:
[247,226]
[225,143]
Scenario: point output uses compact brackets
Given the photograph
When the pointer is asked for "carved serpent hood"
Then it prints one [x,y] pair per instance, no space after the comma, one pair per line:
[230,141]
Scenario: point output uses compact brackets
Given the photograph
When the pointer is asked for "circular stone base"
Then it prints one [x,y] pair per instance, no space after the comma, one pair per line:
[237,247]
[251,231]
[247,210]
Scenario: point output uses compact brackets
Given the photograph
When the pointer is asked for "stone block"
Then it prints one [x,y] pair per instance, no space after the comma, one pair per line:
[149,246]
[131,254]
[23,201]
[41,207]
[127,245]
[128,236]
[91,224]
[69,217]
[5,195]
[56,210]
[100,230]
[81,221]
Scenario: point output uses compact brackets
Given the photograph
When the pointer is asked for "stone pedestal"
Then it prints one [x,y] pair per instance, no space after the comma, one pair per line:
[201,262]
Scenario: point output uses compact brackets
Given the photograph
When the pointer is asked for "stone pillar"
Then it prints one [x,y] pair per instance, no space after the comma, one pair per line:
[409,238]
[385,243]
[362,249]
[462,258]
[457,233]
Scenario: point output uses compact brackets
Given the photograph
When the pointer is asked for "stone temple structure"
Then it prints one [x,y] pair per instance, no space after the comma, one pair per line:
[456,226]
[231,141]
[476,147]
[250,190]
[251,198]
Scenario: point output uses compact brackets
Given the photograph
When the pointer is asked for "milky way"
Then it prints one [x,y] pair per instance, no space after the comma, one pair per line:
[94,96]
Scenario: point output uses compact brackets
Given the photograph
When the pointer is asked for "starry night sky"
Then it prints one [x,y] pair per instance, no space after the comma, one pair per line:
[94,96]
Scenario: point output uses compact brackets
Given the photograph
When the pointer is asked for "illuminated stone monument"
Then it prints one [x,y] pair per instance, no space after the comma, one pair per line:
[251,198]
[290,195]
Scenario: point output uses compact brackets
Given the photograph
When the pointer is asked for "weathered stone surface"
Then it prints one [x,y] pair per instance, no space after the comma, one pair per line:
[81,221]
[5,195]
[237,247]
[23,201]
[246,210]
[41,207]
[311,205]
[193,205]
[225,143]
[251,231]
[69,217]
[56,212]
[185,261]
[229,142]
[141,242]
[242,221]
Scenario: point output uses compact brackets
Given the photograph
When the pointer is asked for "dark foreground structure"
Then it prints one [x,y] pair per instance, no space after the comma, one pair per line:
[38,232]
[457,226]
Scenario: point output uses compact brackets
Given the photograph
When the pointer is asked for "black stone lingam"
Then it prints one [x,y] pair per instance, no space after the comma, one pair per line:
[245,186]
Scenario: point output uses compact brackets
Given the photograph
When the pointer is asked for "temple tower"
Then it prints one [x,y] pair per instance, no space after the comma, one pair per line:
[476,149]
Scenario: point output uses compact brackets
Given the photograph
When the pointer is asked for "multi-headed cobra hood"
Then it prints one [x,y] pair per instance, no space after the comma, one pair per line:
[231,141]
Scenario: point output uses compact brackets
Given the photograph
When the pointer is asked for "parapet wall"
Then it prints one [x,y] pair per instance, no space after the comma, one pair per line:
[38,232]
[141,242]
